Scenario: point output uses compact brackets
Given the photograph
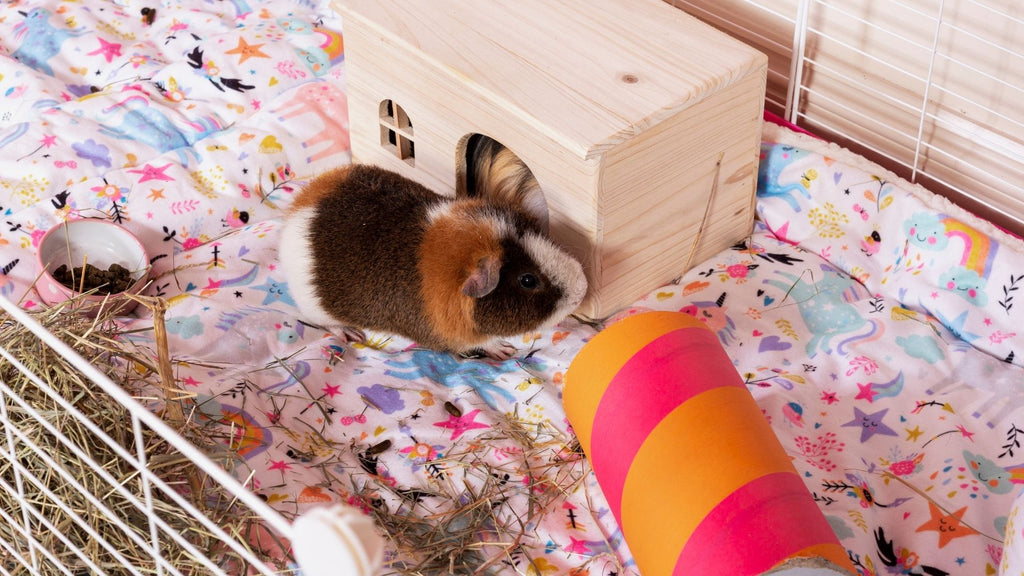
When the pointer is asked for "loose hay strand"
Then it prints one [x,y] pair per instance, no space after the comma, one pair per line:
[77,518]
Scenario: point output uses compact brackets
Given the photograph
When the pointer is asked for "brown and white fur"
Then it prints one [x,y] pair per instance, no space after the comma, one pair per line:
[364,248]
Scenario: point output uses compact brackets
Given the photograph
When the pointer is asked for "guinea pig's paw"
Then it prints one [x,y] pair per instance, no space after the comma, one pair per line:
[349,334]
[499,350]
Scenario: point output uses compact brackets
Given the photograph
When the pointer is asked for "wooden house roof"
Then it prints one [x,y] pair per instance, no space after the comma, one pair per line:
[588,74]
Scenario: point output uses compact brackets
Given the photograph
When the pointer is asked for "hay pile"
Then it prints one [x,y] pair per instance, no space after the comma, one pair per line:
[41,435]
[473,516]
[477,513]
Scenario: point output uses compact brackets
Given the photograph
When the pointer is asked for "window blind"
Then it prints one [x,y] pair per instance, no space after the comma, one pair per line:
[931,89]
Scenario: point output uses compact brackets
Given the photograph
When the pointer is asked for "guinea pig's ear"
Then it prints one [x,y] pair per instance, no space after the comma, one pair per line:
[496,174]
[533,202]
[483,278]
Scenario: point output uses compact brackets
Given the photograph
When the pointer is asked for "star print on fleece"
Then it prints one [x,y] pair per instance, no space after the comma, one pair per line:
[577,547]
[280,465]
[152,173]
[870,424]
[949,526]
[276,292]
[108,49]
[246,50]
[460,424]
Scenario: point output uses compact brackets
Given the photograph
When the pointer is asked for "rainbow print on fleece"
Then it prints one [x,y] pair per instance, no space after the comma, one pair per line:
[979,249]
[691,469]
[969,275]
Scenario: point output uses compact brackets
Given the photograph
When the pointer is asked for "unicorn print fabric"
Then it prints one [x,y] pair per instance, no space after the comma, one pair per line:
[878,328]
[899,354]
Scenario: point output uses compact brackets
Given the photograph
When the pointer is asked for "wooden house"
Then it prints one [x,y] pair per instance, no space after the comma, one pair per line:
[632,116]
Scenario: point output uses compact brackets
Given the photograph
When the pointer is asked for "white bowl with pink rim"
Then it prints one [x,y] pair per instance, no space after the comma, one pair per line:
[100,243]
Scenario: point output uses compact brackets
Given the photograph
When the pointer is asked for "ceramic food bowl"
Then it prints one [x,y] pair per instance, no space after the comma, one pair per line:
[94,245]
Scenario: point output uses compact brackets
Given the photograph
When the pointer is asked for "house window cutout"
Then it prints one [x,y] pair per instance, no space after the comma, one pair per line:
[396,131]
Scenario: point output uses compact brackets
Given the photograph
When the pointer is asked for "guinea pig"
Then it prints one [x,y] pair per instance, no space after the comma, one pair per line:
[365,248]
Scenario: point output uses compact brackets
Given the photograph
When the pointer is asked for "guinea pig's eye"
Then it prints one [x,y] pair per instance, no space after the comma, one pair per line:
[529,281]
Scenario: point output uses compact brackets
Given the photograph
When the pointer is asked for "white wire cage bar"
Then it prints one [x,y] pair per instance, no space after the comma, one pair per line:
[138,504]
